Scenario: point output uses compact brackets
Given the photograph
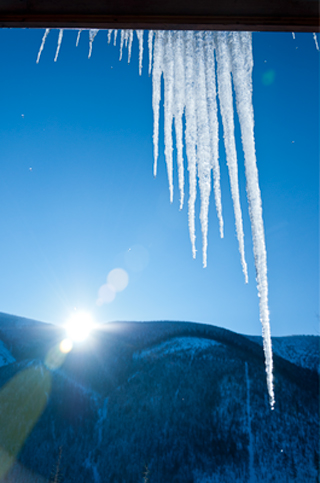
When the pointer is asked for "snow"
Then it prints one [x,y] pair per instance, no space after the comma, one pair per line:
[300,350]
[5,355]
[180,346]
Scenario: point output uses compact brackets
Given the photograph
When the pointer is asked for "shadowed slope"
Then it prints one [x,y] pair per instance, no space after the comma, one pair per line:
[174,397]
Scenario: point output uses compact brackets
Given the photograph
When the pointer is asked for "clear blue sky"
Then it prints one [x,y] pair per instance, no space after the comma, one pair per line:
[90,197]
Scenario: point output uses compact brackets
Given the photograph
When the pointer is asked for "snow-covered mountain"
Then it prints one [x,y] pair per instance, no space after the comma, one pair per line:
[171,402]
[302,350]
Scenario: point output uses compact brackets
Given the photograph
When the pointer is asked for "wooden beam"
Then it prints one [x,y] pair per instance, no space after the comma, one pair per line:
[263,15]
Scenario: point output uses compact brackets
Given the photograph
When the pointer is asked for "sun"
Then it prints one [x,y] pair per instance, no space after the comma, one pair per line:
[79,326]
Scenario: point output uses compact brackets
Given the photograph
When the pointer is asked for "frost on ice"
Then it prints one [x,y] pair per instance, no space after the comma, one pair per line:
[197,68]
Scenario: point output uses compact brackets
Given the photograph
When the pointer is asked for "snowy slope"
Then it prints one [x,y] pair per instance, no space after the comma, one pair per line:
[302,350]
[180,345]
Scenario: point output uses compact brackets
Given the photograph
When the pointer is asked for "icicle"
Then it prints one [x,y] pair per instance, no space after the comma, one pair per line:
[140,39]
[59,44]
[191,134]
[92,34]
[226,108]
[203,143]
[156,92]
[109,35]
[187,62]
[213,122]
[126,38]
[78,37]
[315,40]
[121,43]
[44,38]
[130,39]
[150,47]
[115,37]
[293,35]
[179,103]
[242,63]
[168,76]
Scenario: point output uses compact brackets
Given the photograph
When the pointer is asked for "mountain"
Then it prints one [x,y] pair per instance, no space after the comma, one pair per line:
[302,350]
[158,402]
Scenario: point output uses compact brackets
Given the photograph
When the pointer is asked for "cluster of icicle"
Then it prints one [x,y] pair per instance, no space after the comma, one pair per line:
[198,67]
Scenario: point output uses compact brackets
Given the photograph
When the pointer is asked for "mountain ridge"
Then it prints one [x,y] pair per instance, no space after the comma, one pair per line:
[186,400]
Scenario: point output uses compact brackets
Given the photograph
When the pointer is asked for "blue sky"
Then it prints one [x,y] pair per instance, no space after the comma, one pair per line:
[90,204]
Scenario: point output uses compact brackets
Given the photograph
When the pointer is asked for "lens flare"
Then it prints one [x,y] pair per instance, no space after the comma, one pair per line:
[66,346]
[118,279]
[79,326]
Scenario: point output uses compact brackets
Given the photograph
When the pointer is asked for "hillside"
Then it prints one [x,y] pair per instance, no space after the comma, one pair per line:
[184,402]
[302,350]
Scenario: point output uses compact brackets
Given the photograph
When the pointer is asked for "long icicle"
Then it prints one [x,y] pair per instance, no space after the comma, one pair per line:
[168,76]
[150,48]
[213,122]
[179,103]
[203,144]
[121,43]
[156,93]
[191,134]
[226,109]
[140,39]
[242,63]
